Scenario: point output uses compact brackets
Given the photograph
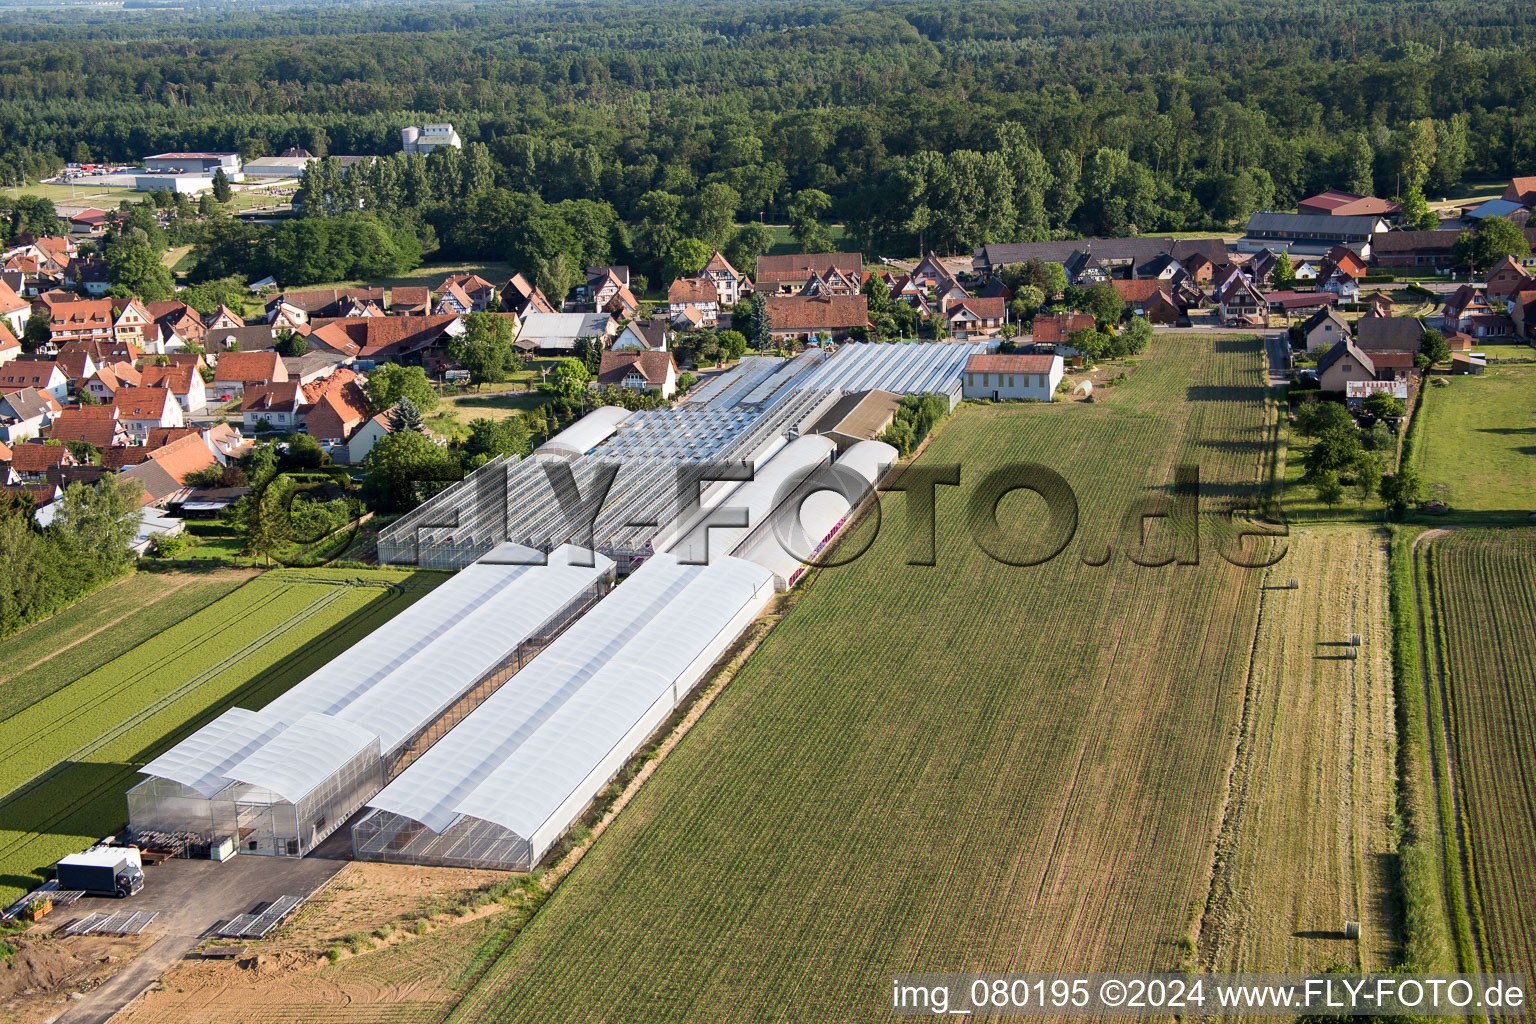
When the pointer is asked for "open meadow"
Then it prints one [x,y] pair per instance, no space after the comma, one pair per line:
[1479,439]
[967,765]
[1484,594]
[78,727]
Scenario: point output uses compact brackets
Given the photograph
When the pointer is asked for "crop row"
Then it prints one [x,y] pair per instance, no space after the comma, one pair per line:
[959,766]
[1485,590]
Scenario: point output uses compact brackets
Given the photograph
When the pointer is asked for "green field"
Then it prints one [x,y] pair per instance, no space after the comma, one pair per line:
[1485,608]
[1479,440]
[69,753]
[964,766]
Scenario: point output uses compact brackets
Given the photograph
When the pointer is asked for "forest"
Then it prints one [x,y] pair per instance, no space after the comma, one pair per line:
[913,122]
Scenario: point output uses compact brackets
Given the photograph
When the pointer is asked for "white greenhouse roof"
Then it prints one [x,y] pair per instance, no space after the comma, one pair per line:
[588,432]
[200,761]
[819,514]
[404,675]
[758,497]
[515,758]
[303,756]
[930,367]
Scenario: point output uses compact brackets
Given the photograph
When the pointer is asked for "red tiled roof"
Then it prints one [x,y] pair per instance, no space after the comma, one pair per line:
[818,312]
[142,403]
[801,265]
[1004,363]
[281,397]
[337,413]
[35,458]
[250,367]
[176,379]
[94,424]
[987,309]
[118,456]
[333,381]
[653,366]
[694,290]
[372,337]
[1056,328]
[159,437]
[1141,290]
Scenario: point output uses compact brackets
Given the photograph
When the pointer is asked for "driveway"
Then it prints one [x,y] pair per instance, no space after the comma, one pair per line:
[194,897]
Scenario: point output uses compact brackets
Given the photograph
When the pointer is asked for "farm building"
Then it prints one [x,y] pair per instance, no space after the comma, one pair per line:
[745,416]
[501,787]
[280,780]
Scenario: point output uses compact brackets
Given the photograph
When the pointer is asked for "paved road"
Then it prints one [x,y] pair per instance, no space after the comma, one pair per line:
[193,898]
[1278,346]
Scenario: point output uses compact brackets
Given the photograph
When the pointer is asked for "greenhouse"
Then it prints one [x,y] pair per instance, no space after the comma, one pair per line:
[502,787]
[281,779]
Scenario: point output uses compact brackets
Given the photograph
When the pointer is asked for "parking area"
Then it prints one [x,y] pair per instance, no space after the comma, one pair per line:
[194,897]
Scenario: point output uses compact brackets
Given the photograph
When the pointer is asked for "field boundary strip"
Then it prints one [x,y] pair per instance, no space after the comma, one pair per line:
[128,724]
[1457,856]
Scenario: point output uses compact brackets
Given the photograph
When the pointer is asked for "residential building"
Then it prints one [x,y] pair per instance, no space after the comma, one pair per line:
[1324,329]
[521,296]
[411,340]
[31,372]
[164,472]
[15,311]
[1055,330]
[82,320]
[602,285]
[1347,363]
[291,309]
[454,301]
[970,319]
[1241,303]
[1521,190]
[237,371]
[31,461]
[787,274]
[804,318]
[644,336]
[1149,297]
[104,384]
[277,404]
[697,292]
[639,371]
[480,292]
[25,413]
[182,381]
[94,424]
[1001,377]
[10,345]
[1294,303]
[413,300]
[1127,258]
[1389,334]
[731,284]
[90,222]
[1507,277]
[140,410]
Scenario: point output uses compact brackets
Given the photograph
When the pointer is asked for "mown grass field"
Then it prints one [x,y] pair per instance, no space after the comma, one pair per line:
[1479,440]
[1308,841]
[1484,584]
[68,755]
[964,766]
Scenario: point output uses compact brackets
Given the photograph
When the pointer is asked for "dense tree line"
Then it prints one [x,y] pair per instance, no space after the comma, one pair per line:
[86,545]
[924,121]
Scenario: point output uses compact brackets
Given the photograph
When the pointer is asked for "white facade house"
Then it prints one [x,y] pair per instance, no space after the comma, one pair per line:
[1001,377]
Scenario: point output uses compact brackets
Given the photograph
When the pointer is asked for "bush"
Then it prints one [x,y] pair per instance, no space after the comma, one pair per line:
[169,547]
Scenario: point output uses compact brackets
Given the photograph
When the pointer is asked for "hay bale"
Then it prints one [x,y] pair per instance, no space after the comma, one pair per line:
[1351,929]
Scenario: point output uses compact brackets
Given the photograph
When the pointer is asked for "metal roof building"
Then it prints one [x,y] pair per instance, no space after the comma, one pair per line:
[285,777]
[501,788]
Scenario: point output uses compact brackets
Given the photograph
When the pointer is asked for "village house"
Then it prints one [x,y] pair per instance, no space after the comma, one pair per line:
[25,412]
[1521,190]
[1003,377]
[291,309]
[411,300]
[803,318]
[639,371]
[43,374]
[1241,303]
[271,406]
[15,311]
[81,320]
[697,293]
[831,282]
[1347,363]
[1389,334]
[163,474]
[730,284]
[1507,277]
[521,296]
[94,424]
[602,285]
[1052,332]
[644,336]
[31,461]
[333,409]
[454,301]
[1105,258]
[140,410]
[10,345]
[480,292]
[104,383]
[1324,329]
[182,381]
[788,274]
[1150,298]
[970,319]
[237,371]
[224,319]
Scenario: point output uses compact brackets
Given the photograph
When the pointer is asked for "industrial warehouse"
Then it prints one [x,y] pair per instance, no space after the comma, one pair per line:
[477,726]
